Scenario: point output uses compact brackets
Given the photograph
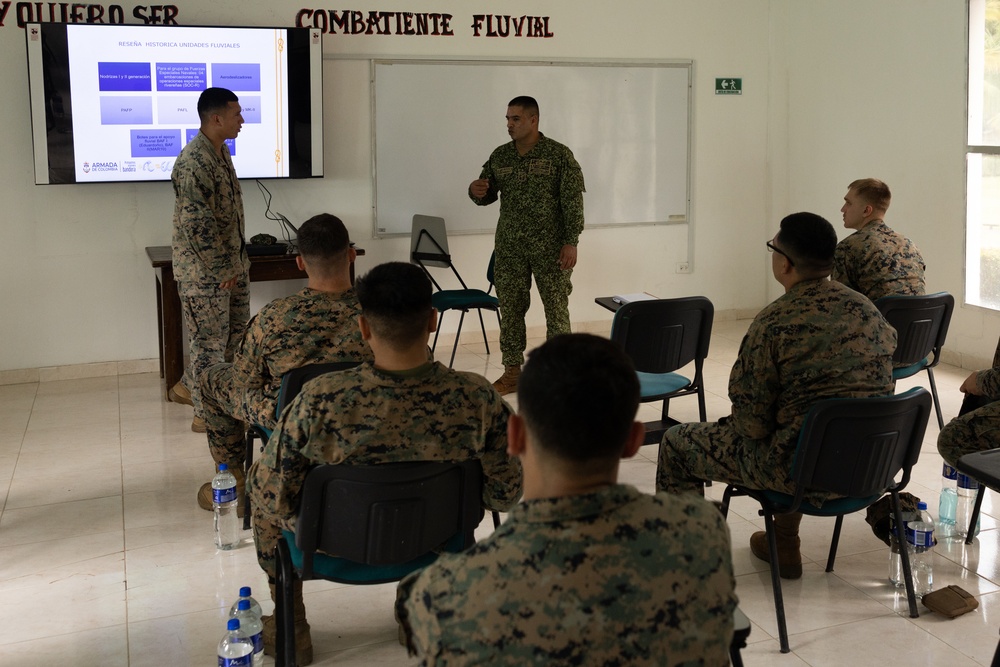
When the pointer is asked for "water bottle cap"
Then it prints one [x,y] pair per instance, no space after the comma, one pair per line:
[245,592]
[234,624]
[921,505]
[243,605]
[223,466]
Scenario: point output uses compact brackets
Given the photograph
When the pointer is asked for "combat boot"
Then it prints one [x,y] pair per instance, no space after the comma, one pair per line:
[205,492]
[180,394]
[303,640]
[507,383]
[786,534]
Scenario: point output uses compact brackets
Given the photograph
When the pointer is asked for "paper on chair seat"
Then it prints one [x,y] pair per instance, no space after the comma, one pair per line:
[629,298]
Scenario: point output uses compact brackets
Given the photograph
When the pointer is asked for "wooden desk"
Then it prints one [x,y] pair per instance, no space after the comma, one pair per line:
[169,322]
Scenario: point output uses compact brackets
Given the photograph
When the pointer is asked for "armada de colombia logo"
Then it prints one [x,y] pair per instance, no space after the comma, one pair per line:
[86,167]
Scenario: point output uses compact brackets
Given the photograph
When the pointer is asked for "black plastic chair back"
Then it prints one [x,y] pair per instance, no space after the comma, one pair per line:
[389,513]
[663,335]
[855,447]
[921,324]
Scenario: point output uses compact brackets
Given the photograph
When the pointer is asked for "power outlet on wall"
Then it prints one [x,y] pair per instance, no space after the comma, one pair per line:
[683,267]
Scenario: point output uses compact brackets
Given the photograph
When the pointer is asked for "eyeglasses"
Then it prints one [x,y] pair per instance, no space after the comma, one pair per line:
[773,248]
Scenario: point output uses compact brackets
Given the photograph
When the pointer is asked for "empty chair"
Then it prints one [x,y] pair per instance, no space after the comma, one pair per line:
[921,324]
[853,448]
[429,247]
[660,337]
[371,525]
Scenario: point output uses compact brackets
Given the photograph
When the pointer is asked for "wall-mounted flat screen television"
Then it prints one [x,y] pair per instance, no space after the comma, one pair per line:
[118,102]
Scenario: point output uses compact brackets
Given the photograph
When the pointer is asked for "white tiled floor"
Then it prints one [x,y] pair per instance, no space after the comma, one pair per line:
[105,558]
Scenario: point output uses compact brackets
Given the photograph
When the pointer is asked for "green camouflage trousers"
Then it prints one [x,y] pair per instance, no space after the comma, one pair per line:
[266,534]
[691,454]
[215,320]
[975,431]
[513,271]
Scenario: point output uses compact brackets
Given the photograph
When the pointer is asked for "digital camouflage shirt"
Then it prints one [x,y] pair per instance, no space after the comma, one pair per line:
[819,340]
[309,327]
[878,261]
[366,416]
[614,577]
[540,192]
[208,245]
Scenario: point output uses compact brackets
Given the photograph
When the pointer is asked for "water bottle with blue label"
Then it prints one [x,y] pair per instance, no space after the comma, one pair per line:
[235,650]
[250,627]
[227,527]
[920,538]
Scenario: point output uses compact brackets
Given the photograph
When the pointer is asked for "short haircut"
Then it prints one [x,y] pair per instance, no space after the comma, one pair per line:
[213,100]
[578,395]
[529,104]
[809,240]
[872,191]
[323,238]
[395,299]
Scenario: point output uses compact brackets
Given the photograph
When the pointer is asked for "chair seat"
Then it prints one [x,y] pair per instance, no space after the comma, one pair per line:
[458,299]
[349,571]
[832,507]
[652,385]
[907,371]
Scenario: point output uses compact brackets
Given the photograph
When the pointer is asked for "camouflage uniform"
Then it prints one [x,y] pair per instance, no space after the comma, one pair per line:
[309,327]
[819,340]
[208,249]
[541,210]
[878,261]
[614,577]
[365,416]
[978,430]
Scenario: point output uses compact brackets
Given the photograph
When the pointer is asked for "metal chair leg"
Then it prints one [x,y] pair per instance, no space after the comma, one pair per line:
[834,543]
[937,403]
[904,554]
[779,602]
[482,325]
[975,514]
[458,335]
[284,614]
[437,332]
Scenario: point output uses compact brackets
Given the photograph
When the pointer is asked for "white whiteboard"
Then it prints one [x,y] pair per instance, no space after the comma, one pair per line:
[435,124]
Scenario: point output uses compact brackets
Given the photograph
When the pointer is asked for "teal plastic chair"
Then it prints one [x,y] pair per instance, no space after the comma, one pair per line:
[853,448]
[373,524]
[661,336]
[921,324]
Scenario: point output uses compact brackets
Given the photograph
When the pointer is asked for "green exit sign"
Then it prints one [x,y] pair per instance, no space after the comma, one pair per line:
[729,86]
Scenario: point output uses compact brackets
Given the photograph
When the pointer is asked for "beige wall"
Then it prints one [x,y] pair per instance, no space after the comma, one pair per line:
[833,90]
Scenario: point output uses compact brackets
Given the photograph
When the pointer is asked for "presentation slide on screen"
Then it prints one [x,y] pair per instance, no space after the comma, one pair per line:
[135,97]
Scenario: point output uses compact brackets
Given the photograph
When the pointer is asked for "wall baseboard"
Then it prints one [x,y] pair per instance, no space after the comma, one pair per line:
[79,371]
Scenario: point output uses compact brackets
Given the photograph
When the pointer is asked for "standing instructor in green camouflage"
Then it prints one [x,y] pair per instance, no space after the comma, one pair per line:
[540,187]
[209,254]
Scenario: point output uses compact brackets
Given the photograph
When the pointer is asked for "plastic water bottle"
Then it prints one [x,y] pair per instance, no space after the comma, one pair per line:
[245,595]
[250,627]
[948,502]
[227,527]
[895,560]
[235,650]
[920,535]
[968,489]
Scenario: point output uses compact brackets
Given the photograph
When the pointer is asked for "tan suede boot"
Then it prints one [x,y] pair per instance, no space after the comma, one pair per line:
[786,534]
[205,492]
[507,383]
[303,640]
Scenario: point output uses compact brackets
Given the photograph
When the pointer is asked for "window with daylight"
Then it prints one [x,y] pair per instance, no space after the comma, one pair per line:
[982,245]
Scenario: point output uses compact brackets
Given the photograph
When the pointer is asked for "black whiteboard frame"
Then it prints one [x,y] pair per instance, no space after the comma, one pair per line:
[387,228]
